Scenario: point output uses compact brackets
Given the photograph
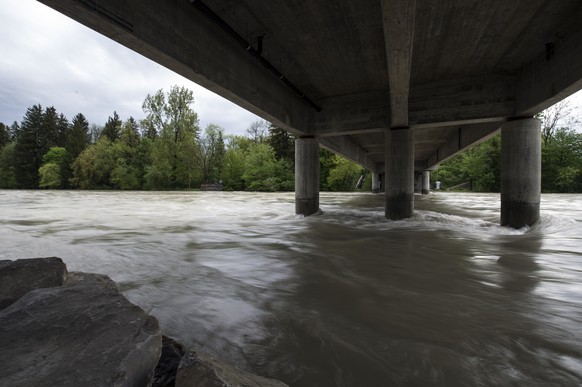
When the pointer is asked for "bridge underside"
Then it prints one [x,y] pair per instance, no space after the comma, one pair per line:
[394,85]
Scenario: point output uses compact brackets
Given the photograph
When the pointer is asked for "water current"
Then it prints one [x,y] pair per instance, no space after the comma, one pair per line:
[346,298]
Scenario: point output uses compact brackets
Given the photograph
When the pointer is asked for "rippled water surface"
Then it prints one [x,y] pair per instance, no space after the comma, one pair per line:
[346,298]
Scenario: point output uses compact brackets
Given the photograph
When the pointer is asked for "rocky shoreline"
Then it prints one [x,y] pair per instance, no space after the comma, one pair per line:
[71,329]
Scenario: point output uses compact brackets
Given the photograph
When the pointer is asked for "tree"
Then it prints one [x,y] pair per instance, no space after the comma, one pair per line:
[210,154]
[54,173]
[558,115]
[129,170]
[344,175]
[257,131]
[5,136]
[48,135]
[78,137]
[27,152]
[176,126]
[7,170]
[263,172]
[95,133]
[234,163]
[283,143]
[94,166]
[112,128]
[562,162]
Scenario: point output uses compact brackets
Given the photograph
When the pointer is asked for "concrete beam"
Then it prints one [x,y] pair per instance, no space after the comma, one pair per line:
[348,148]
[398,24]
[444,103]
[552,76]
[169,33]
[464,138]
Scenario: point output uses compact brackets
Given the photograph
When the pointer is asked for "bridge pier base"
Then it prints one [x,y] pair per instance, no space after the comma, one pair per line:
[306,176]
[520,172]
[399,185]
[425,188]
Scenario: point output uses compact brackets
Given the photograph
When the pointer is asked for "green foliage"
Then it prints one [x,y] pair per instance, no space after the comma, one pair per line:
[343,175]
[173,126]
[94,167]
[78,137]
[210,154]
[283,143]
[112,128]
[54,172]
[562,162]
[28,151]
[263,172]
[5,136]
[234,163]
[7,170]
[477,169]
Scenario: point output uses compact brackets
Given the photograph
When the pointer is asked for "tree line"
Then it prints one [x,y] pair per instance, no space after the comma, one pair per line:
[166,150]
[479,168]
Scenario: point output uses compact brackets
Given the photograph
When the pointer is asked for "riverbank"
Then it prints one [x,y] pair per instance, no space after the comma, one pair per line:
[71,328]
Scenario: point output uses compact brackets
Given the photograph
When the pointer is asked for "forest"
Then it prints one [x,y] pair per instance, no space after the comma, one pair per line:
[479,169]
[166,150]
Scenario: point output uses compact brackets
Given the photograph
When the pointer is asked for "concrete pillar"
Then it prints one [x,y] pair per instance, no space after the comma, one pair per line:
[399,186]
[520,172]
[306,176]
[425,190]
[375,182]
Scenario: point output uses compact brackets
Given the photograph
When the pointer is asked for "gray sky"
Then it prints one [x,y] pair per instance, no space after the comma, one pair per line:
[48,59]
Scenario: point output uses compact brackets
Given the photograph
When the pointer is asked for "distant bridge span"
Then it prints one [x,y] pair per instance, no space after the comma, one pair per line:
[397,86]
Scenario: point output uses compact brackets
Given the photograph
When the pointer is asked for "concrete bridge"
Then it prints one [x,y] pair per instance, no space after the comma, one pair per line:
[397,86]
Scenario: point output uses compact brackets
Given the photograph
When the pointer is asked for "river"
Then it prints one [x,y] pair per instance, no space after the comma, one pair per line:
[346,298]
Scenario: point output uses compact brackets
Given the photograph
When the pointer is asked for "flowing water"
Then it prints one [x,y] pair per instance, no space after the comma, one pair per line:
[346,298]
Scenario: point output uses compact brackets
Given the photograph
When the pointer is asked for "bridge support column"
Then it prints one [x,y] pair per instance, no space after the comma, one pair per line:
[375,182]
[399,174]
[425,188]
[306,176]
[520,172]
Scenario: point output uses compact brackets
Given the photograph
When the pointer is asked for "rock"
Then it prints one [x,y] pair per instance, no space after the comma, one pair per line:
[81,334]
[172,353]
[201,370]
[23,275]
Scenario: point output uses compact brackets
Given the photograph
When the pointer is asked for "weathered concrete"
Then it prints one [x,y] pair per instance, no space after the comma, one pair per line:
[82,334]
[201,370]
[306,176]
[425,188]
[23,275]
[520,172]
[368,64]
[399,174]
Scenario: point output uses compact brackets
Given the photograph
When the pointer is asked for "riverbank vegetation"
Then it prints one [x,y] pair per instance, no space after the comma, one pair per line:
[166,150]
[479,169]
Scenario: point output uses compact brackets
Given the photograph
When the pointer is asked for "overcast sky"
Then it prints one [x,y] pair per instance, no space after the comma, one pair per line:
[48,59]
[51,60]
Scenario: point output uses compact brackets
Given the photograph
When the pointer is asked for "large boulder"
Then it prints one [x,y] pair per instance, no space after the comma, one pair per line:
[23,275]
[201,370]
[84,333]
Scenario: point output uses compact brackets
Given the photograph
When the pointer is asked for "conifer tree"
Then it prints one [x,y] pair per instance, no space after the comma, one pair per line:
[112,128]
[27,152]
[78,137]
